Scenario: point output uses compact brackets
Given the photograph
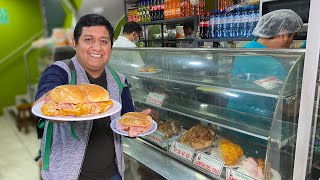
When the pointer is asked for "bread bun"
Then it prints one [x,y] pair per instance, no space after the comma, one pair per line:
[94,93]
[136,119]
[67,94]
[77,100]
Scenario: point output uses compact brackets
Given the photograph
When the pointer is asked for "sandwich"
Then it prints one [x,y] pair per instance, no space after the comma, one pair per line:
[76,100]
[135,123]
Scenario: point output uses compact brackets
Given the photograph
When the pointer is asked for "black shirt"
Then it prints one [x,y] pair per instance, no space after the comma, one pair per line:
[99,160]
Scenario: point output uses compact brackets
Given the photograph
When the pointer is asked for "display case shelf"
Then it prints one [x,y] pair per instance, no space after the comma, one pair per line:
[255,126]
[169,21]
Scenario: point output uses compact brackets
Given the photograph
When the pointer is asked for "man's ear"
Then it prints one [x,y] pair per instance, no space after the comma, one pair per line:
[73,43]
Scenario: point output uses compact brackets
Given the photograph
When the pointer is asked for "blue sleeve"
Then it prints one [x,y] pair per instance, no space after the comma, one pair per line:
[52,77]
[127,103]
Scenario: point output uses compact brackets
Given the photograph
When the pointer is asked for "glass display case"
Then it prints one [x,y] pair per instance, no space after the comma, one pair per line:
[244,101]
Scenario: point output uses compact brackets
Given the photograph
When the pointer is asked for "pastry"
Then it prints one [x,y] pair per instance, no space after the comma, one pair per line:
[169,128]
[198,137]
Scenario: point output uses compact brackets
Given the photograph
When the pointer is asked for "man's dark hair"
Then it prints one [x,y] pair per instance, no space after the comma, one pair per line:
[90,20]
[188,25]
[131,27]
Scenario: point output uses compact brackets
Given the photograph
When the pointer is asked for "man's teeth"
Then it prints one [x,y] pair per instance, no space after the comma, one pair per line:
[96,55]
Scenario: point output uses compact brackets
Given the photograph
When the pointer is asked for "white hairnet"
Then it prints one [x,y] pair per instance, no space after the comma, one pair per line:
[278,22]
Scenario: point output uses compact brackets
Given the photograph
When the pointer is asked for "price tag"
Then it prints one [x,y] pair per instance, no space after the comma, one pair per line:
[156,138]
[232,174]
[155,98]
[269,82]
[181,150]
[209,163]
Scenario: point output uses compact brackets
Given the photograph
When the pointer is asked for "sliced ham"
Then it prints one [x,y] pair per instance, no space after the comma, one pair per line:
[136,130]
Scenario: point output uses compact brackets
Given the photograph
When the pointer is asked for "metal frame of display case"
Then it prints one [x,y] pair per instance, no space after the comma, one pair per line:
[306,113]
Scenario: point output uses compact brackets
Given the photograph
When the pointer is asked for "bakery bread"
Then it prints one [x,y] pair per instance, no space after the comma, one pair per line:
[155,116]
[135,123]
[169,129]
[198,137]
[230,152]
[76,100]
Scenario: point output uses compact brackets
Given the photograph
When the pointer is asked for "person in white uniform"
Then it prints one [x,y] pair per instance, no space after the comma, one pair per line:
[131,34]
[128,61]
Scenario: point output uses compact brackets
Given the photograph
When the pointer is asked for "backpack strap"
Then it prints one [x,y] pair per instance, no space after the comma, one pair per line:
[49,133]
[118,81]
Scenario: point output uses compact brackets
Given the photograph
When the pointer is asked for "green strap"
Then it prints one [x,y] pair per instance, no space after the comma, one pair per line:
[49,133]
[73,77]
[47,149]
[117,79]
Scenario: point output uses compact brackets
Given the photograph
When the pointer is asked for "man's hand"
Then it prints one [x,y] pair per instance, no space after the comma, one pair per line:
[146,111]
[43,99]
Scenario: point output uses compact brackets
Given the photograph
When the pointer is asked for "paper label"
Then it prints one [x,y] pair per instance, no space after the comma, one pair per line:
[209,163]
[155,98]
[232,174]
[181,150]
[156,138]
[269,82]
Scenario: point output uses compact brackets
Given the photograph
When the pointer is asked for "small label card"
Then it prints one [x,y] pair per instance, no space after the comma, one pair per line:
[209,163]
[155,98]
[156,137]
[181,150]
[232,174]
[269,82]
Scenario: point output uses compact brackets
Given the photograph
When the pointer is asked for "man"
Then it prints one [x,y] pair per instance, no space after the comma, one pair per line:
[274,30]
[188,29]
[128,61]
[130,37]
[96,153]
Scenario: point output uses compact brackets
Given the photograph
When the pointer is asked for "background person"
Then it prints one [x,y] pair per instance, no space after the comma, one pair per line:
[128,61]
[97,153]
[130,37]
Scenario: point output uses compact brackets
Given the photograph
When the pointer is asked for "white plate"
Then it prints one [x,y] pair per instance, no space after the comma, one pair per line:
[157,70]
[114,123]
[36,110]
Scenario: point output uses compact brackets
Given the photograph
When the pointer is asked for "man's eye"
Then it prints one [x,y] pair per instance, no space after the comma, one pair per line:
[104,41]
[88,40]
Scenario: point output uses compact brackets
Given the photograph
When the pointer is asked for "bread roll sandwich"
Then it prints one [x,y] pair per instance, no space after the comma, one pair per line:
[76,100]
[198,137]
[135,123]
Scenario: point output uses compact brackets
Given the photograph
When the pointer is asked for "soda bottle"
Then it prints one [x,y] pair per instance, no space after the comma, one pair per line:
[231,25]
[182,12]
[162,9]
[218,25]
[206,25]
[211,26]
[237,22]
[201,26]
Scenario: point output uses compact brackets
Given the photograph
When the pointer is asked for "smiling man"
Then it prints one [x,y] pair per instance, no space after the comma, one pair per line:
[95,152]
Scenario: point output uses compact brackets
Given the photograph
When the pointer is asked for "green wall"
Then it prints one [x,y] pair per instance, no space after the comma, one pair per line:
[25,21]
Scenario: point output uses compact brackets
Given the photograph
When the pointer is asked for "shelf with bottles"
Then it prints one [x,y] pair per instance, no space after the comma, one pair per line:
[146,11]
[234,23]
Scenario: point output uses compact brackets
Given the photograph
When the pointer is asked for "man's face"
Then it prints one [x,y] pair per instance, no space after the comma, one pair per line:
[286,40]
[93,49]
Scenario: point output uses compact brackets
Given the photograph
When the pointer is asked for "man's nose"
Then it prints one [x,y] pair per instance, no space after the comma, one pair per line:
[96,45]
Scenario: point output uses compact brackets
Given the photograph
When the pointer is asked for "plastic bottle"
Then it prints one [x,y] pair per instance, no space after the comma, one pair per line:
[237,22]
[231,25]
[218,25]
[224,22]
[251,20]
[211,26]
